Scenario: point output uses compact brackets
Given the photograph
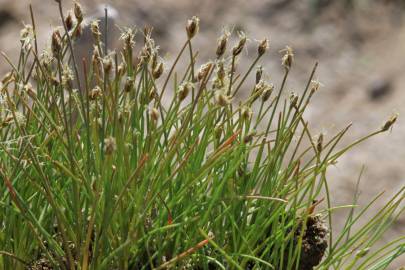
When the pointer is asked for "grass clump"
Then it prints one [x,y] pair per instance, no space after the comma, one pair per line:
[103,173]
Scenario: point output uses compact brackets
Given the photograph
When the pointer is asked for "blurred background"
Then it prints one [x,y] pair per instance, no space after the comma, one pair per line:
[360,46]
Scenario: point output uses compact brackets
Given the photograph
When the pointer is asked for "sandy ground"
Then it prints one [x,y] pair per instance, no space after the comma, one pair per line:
[361,54]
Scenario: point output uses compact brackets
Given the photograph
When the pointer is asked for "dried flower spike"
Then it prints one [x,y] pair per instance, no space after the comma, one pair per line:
[222,99]
[315,87]
[129,84]
[128,36]
[193,25]
[389,122]
[56,43]
[222,42]
[184,90]
[288,57]
[110,145]
[263,46]
[319,144]
[107,64]
[267,92]
[30,90]
[259,73]
[121,69]
[154,114]
[293,99]
[7,77]
[78,12]
[95,93]
[241,44]
[158,71]
[95,30]
[246,113]
[69,22]
[203,72]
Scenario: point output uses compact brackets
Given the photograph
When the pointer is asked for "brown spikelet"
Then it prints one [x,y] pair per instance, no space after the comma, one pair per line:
[389,123]
[192,27]
[56,43]
[158,71]
[241,44]
[288,57]
[69,22]
[259,73]
[222,42]
[263,46]
[78,12]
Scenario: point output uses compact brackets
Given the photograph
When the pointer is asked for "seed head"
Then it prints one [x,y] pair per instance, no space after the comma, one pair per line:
[221,71]
[107,64]
[222,99]
[95,30]
[96,61]
[67,77]
[184,90]
[259,73]
[95,93]
[219,80]
[319,144]
[147,33]
[260,87]
[192,27]
[69,22]
[78,12]
[154,114]
[263,46]
[241,44]
[267,92]
[288,57]
[203,73]
[8,77]
[121,69]
[129,84]
[389,122]
[128,36]
[315,87]
[222,42]
[246,113]
[55,82]
[30,91]
[56,43]
[293,99]
[153,94]
[110,145]
[158,71]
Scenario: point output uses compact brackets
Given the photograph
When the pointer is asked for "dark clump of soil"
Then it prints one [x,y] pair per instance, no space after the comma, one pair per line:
[314,243]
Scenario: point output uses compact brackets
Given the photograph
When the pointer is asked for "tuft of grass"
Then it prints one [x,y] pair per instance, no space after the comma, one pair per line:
[140,166]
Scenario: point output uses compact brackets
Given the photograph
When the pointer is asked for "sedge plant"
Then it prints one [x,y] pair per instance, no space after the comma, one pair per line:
[117,162]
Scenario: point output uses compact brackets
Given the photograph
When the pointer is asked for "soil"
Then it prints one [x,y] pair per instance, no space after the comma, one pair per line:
[314,242]
[359,45]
